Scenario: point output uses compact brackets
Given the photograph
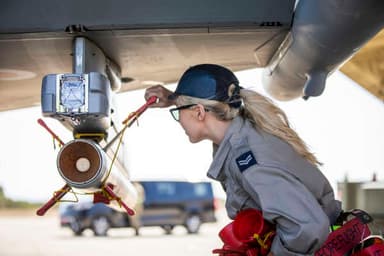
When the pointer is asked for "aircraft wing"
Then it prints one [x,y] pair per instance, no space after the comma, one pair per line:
[298,42]
[151,41]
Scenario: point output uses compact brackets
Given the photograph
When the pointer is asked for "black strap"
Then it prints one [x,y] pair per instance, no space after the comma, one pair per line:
[363,216]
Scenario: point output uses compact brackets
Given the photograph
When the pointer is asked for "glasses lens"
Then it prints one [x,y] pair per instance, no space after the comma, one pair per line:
[175,114]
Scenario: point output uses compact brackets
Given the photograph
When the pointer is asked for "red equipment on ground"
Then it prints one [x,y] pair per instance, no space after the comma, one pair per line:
[248,234]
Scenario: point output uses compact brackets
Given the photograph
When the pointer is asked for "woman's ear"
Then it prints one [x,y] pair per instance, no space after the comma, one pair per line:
[200,112]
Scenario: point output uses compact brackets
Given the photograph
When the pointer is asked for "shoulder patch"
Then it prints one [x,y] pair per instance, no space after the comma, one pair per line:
[245,161]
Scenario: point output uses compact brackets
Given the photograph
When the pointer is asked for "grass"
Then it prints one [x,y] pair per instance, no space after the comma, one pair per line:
[6,203]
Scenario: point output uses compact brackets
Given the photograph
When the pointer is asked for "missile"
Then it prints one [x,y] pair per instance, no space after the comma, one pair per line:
[86,167]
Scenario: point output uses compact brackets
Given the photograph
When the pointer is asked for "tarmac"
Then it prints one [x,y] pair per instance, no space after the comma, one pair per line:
[25,234]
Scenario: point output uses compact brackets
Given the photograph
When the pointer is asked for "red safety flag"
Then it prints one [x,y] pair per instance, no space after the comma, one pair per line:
[350,234]
[344,239]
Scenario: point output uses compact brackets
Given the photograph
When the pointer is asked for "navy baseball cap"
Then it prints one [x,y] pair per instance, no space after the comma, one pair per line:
[206,81]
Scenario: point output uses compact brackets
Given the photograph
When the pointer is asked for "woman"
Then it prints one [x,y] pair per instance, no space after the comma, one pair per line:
[260,161]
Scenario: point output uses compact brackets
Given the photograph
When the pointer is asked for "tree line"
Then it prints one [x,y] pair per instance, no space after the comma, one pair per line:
[9,203]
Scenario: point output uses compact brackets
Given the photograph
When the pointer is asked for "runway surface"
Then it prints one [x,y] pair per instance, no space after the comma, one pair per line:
[29,235]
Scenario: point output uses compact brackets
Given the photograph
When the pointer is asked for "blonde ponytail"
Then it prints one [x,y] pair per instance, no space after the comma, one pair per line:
[268,117]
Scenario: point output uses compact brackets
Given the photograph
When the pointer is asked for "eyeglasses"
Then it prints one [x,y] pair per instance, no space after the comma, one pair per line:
[175,112]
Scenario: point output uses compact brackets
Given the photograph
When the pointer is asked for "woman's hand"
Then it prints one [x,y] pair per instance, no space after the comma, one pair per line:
[162,95]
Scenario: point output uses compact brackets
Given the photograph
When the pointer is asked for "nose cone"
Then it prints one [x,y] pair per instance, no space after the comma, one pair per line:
[79,162]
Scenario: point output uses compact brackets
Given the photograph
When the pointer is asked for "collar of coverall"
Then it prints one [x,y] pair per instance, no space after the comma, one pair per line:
[231,138]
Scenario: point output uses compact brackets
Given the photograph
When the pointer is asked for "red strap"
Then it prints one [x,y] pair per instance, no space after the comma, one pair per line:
[372,246]
[102,196]
[344,239]
[373,250]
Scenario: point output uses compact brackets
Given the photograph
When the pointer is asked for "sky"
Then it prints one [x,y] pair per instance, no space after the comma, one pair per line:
[343,127]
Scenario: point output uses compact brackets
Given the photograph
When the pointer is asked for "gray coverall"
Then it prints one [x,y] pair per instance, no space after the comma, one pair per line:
[258,170]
